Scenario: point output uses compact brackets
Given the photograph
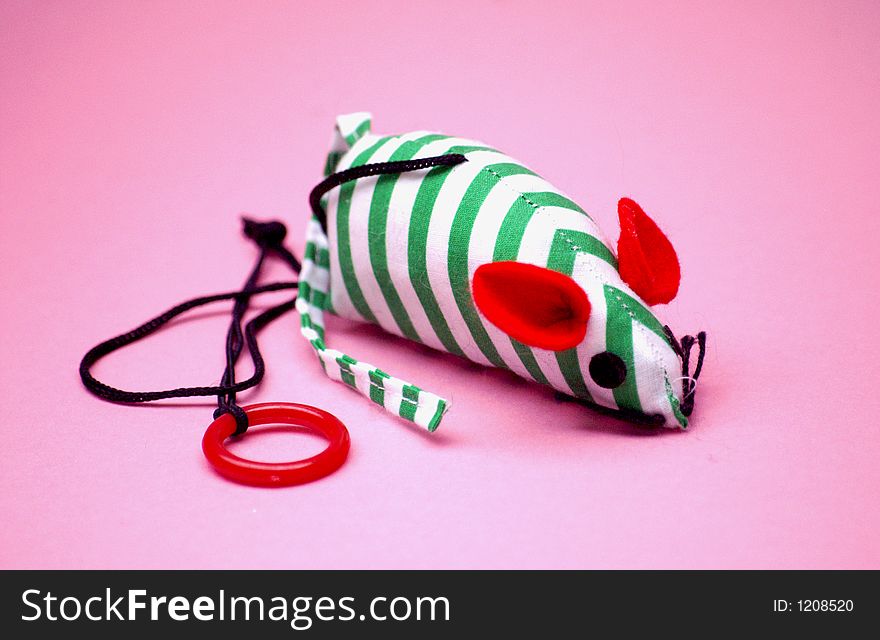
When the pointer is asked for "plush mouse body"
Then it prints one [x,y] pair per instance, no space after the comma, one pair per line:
[489,261]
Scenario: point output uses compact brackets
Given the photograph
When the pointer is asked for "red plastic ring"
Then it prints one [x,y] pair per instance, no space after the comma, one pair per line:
[277,474]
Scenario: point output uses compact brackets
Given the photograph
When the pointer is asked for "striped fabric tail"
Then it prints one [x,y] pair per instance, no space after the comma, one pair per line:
[396,396]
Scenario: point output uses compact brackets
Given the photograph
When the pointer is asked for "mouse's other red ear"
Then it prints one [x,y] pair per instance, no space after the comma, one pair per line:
[647,260]
[539,307]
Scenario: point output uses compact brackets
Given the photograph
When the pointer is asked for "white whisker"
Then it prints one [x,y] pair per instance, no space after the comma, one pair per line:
[693,386]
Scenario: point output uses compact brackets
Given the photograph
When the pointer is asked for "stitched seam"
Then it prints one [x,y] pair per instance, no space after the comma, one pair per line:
[534,205]
[527,200]
[574,248]
[593,271]
[658,360]
[519,194]
[645,333]
[538,208]
[563,233]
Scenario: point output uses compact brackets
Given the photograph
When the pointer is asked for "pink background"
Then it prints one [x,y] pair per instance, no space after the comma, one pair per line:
[132,135]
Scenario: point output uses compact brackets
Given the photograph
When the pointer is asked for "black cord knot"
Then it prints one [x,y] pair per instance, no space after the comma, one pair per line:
[241,419]
[266,234]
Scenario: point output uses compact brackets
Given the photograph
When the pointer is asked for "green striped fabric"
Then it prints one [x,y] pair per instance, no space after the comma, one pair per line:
[405,399]
[401,251]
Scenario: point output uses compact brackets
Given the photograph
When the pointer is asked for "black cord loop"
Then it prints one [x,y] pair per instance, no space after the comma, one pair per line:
[377,168]
[269,237]
[109,346]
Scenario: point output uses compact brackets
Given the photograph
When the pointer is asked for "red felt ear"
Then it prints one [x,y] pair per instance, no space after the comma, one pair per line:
[648,263]
[537,306]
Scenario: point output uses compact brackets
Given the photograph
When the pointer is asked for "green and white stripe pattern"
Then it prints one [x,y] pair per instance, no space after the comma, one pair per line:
[403,399]
[402,251]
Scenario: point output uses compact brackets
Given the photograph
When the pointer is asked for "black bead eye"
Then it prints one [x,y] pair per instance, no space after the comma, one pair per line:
[607,370]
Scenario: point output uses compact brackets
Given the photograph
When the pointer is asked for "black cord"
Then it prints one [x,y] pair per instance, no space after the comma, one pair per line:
[377,168]
[269,236]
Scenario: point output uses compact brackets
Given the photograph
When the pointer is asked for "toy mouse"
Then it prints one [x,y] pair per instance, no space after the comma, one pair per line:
[455,245]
